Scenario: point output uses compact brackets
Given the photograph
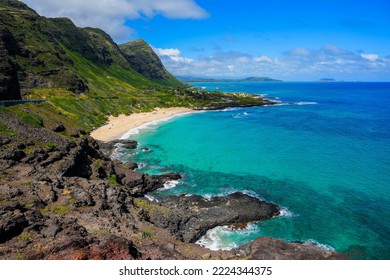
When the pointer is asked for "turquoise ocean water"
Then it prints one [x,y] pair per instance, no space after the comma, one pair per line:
[323,155]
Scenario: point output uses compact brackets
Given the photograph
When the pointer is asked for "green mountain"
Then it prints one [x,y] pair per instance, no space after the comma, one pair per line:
[34,56]
[42,51]
[146,62]
[82,75]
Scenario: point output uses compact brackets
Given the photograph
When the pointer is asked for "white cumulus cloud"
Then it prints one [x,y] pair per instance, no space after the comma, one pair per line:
[111,15]
[370,57]
[296,64]
[172,54]
[263,59]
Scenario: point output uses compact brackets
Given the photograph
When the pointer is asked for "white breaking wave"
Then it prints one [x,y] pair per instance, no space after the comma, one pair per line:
[228,109]
[323,246]
[221,237]
[170,184]
[305,103]
[213,241]
[299,103]
[284,212]
[151,124]
[151,198]
[231,191]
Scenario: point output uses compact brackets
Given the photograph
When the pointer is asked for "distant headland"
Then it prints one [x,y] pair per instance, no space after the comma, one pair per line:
[188,79]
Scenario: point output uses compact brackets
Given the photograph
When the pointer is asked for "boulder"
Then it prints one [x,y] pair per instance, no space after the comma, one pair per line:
[190,217]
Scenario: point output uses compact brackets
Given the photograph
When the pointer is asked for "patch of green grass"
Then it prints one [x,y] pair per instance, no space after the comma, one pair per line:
[146,234]
[4,130]
[29,205]
[56,209]
[112,180]
[26,236]
[51,147]
[72,200]
[28,116]
[97,164]
[5,202]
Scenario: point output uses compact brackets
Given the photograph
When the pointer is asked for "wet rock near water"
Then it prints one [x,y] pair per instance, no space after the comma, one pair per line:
[108,147]
[267,248]
[190,217]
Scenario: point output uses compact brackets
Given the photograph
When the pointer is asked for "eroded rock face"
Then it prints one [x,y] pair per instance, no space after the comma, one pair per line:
[190,217]
[139,184]
[267,248]
[9,82]
[108,147]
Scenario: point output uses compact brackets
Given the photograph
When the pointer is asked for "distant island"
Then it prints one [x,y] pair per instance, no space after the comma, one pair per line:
[327,80]
[188,79]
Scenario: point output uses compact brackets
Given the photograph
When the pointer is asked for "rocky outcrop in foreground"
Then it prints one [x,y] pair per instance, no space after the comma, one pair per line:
[190,217]
[61,197]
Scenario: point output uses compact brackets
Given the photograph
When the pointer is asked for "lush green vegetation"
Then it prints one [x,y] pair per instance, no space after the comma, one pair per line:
[55,209]
[85,77]
[4,130]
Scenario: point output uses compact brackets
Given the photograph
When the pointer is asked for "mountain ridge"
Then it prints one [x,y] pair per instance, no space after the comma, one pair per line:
[146,62]
[39,53]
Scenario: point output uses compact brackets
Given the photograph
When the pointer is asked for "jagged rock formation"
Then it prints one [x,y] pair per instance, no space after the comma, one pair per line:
[190,217]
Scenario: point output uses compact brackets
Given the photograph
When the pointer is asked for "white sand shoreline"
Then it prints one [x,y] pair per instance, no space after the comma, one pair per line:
[123,126]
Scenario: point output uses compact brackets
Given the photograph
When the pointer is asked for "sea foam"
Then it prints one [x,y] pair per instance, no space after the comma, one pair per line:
[284,212]
[170,184]
[223,237]
[323,246]
[153,123]
[305,103]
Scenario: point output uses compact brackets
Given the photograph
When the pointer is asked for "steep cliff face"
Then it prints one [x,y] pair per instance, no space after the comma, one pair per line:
[9,82]
[92,43]
[146,62]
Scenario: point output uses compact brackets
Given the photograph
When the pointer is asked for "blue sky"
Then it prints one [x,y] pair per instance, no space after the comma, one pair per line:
[289,40]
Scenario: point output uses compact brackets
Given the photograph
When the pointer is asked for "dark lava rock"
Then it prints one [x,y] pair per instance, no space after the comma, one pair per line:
[267,248]
[73,242]
[12,154]
[131,165]
[51,228]
[190,217]
[21,146]
[108,147]
[12,224]
[8,192]
[139,184]
[127,144]
[59,128]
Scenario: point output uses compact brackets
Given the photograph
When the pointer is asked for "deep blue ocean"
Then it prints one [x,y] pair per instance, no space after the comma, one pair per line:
[323,155]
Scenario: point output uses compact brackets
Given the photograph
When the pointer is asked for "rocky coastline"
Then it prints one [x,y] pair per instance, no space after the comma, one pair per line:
[63,197]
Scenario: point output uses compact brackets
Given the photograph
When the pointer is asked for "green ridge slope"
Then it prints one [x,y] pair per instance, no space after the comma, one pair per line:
[83,75]
[145,61]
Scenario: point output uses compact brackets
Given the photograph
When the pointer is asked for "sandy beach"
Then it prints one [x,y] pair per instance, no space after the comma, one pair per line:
[118,126]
